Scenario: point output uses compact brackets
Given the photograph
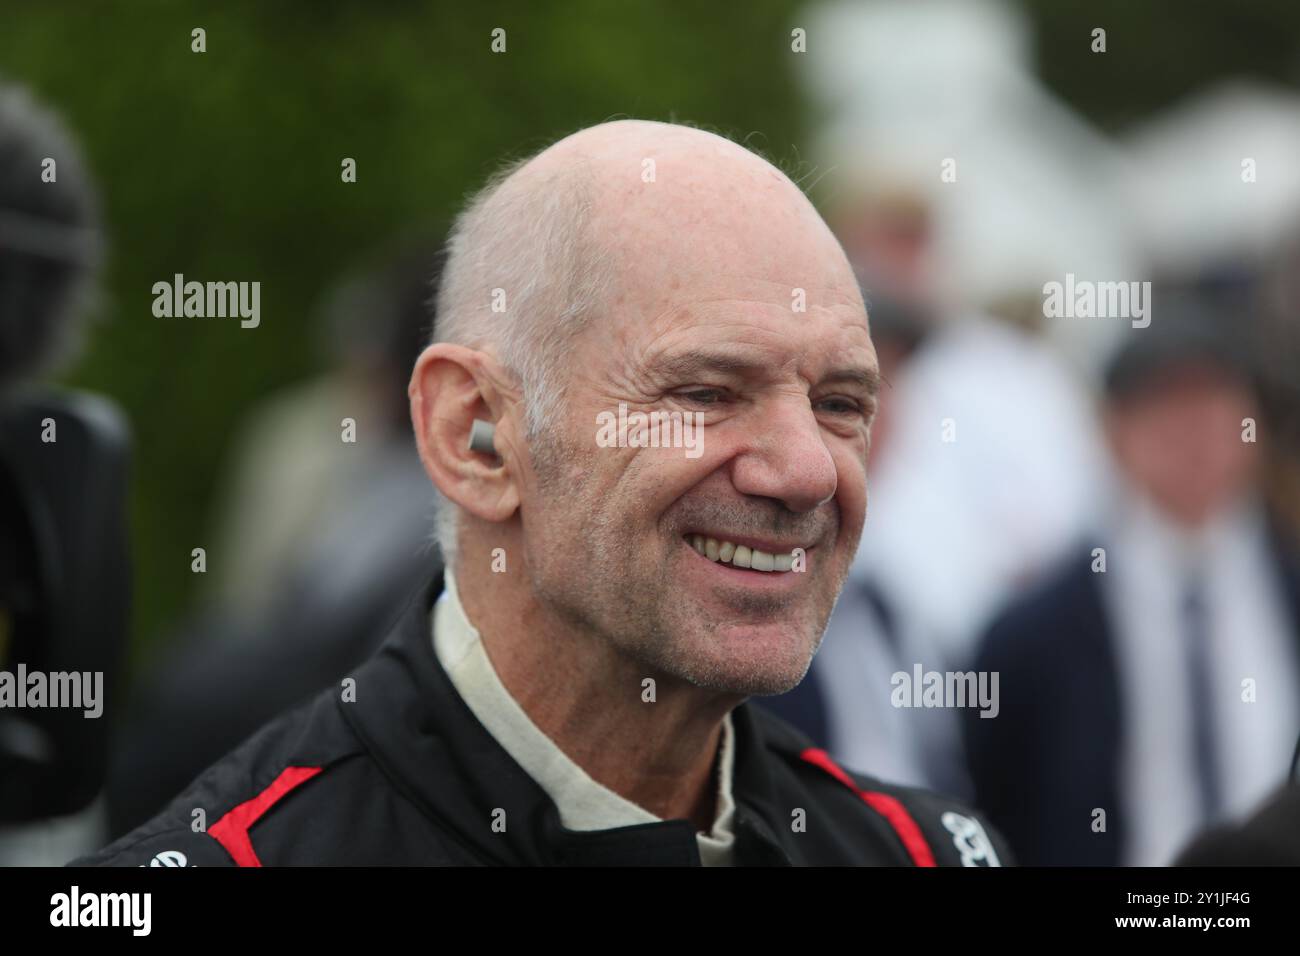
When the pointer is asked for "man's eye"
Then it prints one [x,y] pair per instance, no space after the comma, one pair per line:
[703,396]
[842,406]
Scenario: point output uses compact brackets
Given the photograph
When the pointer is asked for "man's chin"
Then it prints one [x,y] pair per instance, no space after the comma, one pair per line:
[751,684]
[748,662]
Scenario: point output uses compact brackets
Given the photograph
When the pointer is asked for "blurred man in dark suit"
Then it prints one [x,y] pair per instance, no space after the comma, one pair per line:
[1151,684]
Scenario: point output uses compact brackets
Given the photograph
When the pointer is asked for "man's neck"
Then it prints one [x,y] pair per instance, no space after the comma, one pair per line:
[588,699]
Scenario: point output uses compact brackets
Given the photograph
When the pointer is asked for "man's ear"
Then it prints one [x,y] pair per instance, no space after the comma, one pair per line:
[452,386]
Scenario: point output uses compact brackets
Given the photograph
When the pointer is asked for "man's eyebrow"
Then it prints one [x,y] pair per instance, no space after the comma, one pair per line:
[688,364]
[868,379]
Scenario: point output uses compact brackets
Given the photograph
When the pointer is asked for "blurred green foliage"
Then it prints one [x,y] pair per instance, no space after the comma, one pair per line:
[1158,51]
[225,165]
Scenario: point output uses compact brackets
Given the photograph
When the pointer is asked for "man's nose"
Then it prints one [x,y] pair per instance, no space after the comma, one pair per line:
[786,458]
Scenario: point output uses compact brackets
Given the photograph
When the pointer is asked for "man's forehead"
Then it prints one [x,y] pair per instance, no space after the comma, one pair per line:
[694,295]
[725,250]
[731,307]
[752,331]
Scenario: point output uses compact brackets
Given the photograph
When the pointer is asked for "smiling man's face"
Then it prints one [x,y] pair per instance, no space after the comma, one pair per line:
[715,261]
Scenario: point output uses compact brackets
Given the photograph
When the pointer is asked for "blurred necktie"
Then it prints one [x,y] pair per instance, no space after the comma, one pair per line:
[1196,632]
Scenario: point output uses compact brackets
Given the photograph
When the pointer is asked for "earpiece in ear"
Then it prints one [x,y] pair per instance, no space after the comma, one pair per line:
[481,436]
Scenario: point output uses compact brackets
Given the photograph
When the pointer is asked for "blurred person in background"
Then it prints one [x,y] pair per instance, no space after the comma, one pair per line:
[1151,684]
[64,574]
[319,540]
[1269,837]
[289,466]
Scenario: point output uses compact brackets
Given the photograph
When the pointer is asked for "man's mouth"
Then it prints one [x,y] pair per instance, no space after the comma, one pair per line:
[746,555]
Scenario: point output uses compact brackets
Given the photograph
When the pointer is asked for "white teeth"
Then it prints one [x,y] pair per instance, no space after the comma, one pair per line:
[739,555]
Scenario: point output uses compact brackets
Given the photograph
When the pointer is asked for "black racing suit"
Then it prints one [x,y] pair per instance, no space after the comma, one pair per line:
[396,770]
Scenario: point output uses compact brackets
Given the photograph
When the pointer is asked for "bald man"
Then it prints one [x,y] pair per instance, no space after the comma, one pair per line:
[646,415]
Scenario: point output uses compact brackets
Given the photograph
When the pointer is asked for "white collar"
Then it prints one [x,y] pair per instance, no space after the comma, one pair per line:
[583,803]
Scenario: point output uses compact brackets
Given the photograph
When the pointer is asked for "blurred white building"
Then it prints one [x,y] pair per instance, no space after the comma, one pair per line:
[1215,178]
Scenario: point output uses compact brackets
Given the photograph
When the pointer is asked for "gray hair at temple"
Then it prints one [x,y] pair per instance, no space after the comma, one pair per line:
[526,239]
